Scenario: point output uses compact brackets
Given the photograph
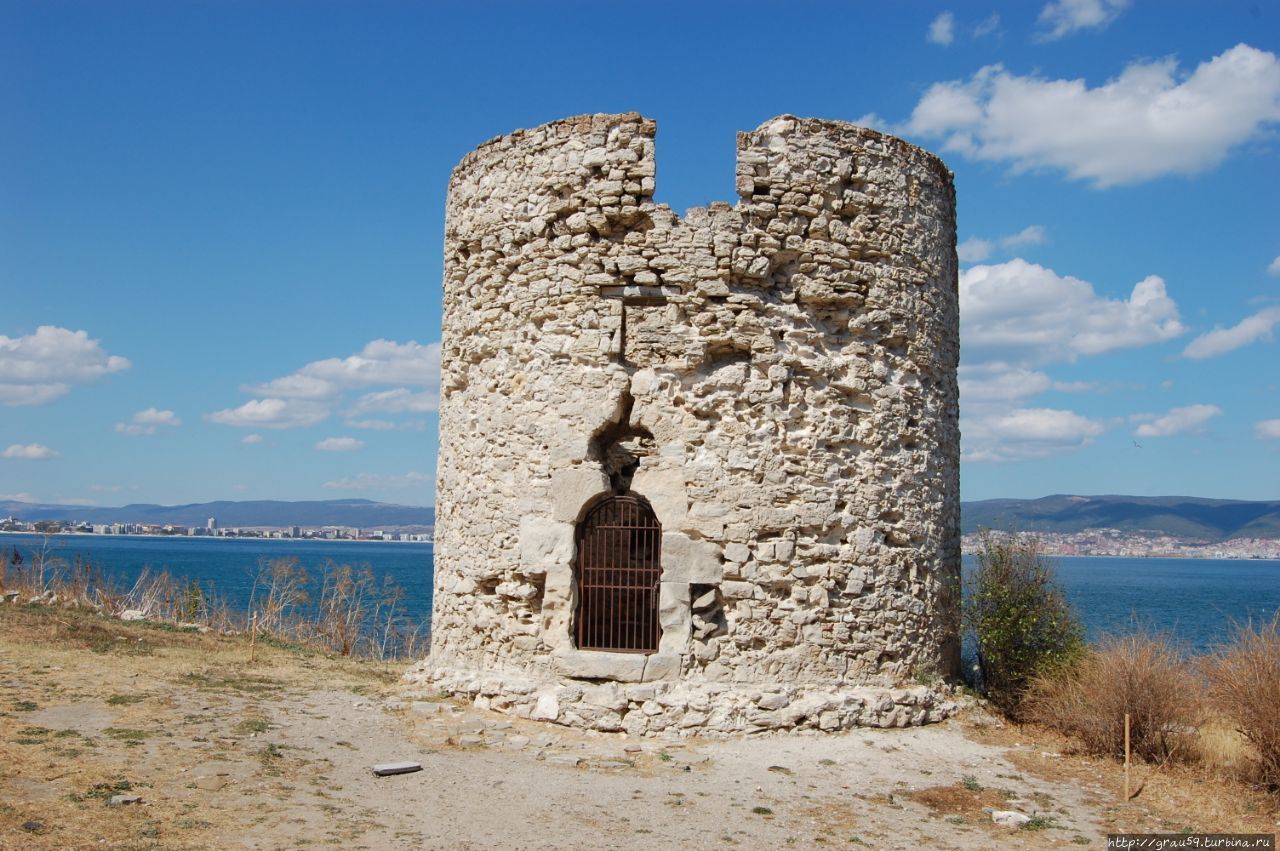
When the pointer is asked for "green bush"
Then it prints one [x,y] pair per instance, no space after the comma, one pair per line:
[1020,620]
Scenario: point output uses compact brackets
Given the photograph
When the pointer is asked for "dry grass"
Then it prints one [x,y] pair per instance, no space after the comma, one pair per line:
[91,706]
[962,800]
[1171,798]
[354,614]
[1141,675]
[1219,744]
[1244,686]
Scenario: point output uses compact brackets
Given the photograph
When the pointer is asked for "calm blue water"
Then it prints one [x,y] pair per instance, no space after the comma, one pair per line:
[231,563]
[1193,599]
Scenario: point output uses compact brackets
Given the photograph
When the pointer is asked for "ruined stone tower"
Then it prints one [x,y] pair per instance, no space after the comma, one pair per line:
[698,473]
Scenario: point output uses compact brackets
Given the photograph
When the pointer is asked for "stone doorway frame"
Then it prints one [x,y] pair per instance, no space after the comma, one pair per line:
[554,545]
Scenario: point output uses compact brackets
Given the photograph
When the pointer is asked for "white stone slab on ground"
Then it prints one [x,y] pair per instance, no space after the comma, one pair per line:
[388,768]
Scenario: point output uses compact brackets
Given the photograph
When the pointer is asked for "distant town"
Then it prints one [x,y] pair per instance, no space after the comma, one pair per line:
[211,529]
[1114,542]
[1091,542]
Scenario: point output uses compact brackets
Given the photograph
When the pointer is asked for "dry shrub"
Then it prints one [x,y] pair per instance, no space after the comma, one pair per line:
[1244,687]
[1143,675]
[353,613]
[1220,746]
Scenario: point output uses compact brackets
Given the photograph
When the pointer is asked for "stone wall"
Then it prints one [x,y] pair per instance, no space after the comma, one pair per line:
[777,379]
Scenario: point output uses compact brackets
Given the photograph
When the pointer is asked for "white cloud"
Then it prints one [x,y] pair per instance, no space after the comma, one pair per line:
[942,30]
[875,122]
[974,250]
[1017,317]
[1000,384]
[272,413]
[340,444]
[145,422]
[1179,421]
[1151,121]
[379,362]
[375,425]
[19,497]
[1026,433]
[41,367]
[154,416]
[1220,340]
[1267,429]
[251,439]
[1030,235]
[988,26]
[30,452]
[398,400]
[1022,314]
[387,425]
[31,394]
[1063,17]
[295,386]
[318,386]
[370,481]
[1274,269]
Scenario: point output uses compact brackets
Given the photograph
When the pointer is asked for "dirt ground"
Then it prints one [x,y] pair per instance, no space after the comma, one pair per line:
[225,752]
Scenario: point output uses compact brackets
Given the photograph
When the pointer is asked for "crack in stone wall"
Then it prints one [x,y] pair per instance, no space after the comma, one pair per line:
[777,379]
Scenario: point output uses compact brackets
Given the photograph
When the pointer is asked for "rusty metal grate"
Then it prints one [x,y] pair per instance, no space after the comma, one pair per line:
[619,565]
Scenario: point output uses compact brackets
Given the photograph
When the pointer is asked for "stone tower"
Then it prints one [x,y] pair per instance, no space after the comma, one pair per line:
[698,473]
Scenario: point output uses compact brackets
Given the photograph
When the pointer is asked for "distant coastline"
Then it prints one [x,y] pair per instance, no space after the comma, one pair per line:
[1186,557]
[1115,543]
[144,536]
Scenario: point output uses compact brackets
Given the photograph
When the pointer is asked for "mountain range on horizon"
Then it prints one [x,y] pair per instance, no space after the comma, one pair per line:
[1180,516]
[1184,517]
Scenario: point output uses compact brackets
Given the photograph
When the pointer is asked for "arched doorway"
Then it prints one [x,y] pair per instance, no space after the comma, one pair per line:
[619,564]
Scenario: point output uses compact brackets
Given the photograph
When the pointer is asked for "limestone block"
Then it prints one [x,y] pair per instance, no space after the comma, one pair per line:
[547,709]
[558,602]
[573,488]
[685,559]
[664,487]
[661,666]
[674,616]
[601,665]
[770,702]
[607,695]
[544,543]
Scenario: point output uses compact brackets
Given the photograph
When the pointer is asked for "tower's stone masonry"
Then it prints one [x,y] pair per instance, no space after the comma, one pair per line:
[777,379]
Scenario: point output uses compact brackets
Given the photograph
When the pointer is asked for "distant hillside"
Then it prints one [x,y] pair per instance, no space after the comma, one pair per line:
[360,513]
[1182,516]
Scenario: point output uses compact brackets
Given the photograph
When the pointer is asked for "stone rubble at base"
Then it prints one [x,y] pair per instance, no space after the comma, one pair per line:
[776,379]
[683,708]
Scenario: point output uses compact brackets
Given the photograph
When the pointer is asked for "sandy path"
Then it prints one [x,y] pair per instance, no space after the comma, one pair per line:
[277,754]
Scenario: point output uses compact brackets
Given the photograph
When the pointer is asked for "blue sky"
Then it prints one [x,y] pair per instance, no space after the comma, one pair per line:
[221,222]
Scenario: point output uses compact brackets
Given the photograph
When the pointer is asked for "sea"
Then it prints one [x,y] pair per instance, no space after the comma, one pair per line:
[1195,601]
[228,566]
